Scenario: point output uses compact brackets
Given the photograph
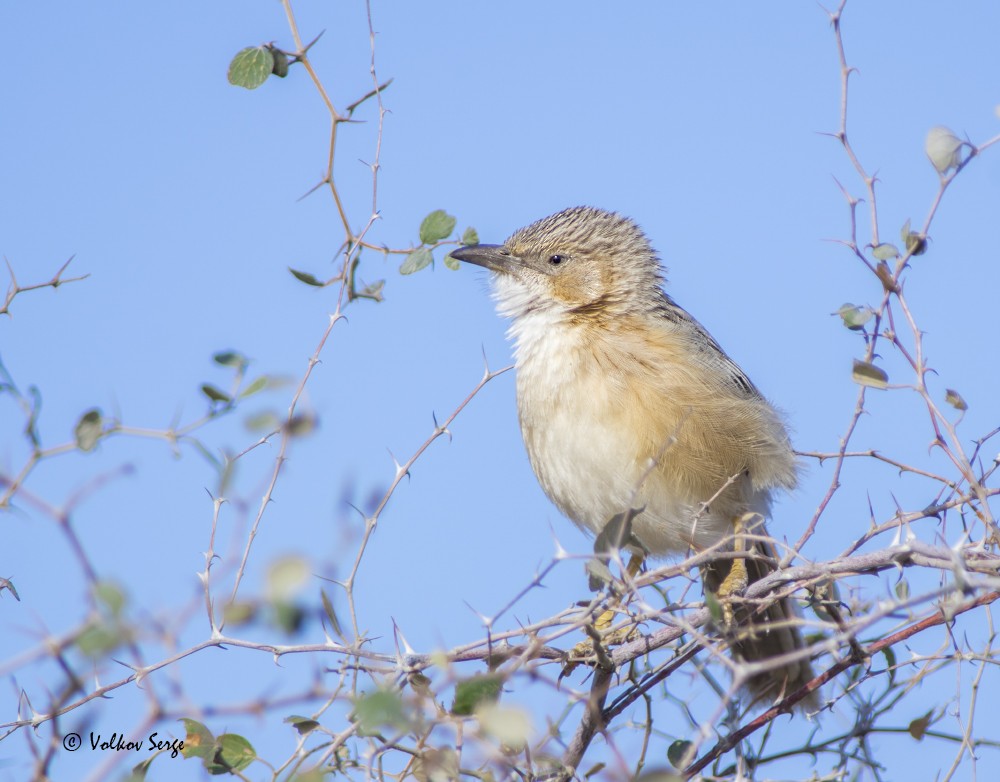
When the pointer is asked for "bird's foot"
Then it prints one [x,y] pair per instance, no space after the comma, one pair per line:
[602,636]
[593,651]
[733,585]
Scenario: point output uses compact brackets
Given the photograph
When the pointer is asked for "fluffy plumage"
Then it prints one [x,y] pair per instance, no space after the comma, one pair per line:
[626,401]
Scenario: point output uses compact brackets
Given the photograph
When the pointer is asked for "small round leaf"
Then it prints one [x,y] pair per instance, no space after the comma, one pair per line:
[89,429]
[509,725]
[942,147]
[854,317]
[436,226]
[472,693]
[867,374]
[373,710]
[234,751]
[239,613]
[885,251]
[677,752]
[100,638]
[287,577]
[251,67]
[199,741]
[303,725]
[110,595]
[916,244]
[419,259]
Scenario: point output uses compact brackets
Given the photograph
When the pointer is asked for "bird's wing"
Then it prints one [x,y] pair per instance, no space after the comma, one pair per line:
[708,349]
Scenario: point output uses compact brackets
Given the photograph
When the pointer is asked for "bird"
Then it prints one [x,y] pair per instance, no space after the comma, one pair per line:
[627,404]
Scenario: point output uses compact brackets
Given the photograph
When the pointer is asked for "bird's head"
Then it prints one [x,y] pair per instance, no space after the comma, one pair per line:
[578,261]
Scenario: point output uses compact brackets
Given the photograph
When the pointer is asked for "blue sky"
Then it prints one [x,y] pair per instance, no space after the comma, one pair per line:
[124,146]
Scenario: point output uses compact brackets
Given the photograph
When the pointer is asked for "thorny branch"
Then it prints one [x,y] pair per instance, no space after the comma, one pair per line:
[677,637]
[14,288]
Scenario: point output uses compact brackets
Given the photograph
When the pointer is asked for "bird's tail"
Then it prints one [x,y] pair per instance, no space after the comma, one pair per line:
[762,629]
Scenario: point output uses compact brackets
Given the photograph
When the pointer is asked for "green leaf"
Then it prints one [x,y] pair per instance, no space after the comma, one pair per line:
[100,637]
[598,574]
[331,614]
[239,613]
[287,616]
[943,147]
[436,226]
[714,606]
[257,385]
[303,725]
[375,709]
[89,429]
[890,664]
[231,358]
[301,425]
[280,67]
[471,693]
[416,260]
[451,263]
[866,374]
[854,317]
[953,398]
[885,251]
[214,393]
[233,753]
[470,236]
[903,589]
[916,244]
[509,725]
[110,596]
[286,577]
[139,771]
[199,741]
[616,533]
[305,277]
[266,421]
[251,67]
[677,753]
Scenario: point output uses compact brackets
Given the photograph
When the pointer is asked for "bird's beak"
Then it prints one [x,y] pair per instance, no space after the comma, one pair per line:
[494,257]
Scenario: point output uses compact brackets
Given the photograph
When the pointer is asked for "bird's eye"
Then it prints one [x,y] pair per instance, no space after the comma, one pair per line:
[555,260]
